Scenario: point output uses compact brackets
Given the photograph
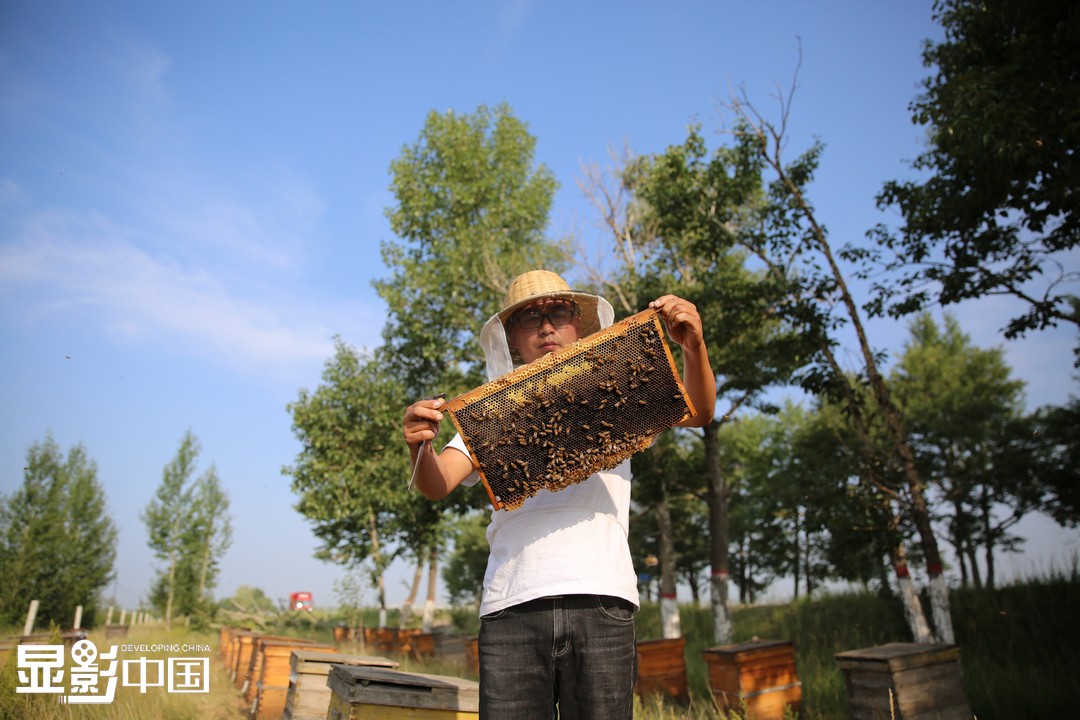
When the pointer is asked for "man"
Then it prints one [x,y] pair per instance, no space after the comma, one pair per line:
[560,591]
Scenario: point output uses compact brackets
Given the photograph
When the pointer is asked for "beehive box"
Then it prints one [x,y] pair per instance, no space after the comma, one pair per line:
[587,407]
[271,676]
[905,681]
[225,636]
[661,668]
[472,655]
[309,696]
[250,674]
[384,640]
[450,646]
[758,678]
[369,693]
[240,657]
[416,644]
[230,650]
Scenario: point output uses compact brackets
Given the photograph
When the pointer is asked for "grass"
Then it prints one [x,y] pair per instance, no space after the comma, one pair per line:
[1018,653]
[129,703]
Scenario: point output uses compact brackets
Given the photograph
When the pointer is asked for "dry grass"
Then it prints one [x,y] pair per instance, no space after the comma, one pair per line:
[223,702]
[1018,647]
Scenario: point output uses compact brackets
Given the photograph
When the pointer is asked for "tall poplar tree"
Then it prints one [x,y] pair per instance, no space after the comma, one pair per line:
[189,529]
[57,541]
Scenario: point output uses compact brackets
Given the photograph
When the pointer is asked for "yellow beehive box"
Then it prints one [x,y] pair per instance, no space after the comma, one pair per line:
[309,696]
[661,668]
[271,678]
[758,678]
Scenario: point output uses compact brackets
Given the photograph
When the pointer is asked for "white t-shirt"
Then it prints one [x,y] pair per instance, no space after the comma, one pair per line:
[573,541]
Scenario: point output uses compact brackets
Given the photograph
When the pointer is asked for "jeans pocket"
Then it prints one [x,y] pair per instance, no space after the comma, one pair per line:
[617,609]
[495,615]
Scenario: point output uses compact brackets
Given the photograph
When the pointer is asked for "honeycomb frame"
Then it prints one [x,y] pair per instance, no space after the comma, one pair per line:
[585,408]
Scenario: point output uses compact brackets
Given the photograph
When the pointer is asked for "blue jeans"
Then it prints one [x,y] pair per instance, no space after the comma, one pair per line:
[576,653]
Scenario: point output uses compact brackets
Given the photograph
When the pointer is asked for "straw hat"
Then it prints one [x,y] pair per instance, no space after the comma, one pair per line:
[596,314]
[543,284]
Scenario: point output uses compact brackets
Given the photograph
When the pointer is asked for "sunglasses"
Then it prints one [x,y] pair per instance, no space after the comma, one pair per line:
[558,314]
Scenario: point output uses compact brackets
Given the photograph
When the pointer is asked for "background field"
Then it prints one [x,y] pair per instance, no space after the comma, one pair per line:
[1018,649]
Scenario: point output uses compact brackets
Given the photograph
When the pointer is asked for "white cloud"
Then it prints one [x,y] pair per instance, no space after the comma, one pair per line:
[64,262]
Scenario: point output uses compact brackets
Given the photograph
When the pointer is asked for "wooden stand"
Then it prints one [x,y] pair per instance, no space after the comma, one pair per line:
[905,681]
[309,697]
[756,677]
[661,668]
[368,693]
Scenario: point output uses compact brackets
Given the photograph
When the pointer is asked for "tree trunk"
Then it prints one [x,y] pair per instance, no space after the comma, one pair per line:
[172,590]
[669,603]
[380,579]
[913,611]
[797,554]
[961,563]
[718,537]
[973,563]
[414,589]
[695,590]
[742,570]
[433,578]
[917,508]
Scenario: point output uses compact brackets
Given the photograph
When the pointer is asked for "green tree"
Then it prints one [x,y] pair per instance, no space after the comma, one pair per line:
[795,244]
[683,230]
[471,210]
[761,547]
[464,570]
[165,517]
[963,410]
[206,536]
[57,541]
[996,207]
[851,504]
[470,214]
[212,529]
[1055,438]
[351,475]
[189,529]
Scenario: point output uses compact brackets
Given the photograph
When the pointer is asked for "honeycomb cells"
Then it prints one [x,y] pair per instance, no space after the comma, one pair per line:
[558,420]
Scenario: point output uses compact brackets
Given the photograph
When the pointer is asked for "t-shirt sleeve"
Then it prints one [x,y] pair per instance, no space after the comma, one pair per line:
[458,443]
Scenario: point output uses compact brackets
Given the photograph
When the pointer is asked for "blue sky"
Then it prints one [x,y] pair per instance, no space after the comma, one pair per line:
[192,199]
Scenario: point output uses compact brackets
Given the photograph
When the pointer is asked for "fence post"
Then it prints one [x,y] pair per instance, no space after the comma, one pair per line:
[31,615]
[78,618]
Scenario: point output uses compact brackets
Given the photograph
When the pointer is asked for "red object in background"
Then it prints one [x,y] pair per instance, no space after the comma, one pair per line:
[301,601]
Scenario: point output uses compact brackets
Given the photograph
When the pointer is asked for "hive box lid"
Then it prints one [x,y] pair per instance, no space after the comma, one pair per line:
[380,686]
[312,662]
[754,647]
[899,656]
